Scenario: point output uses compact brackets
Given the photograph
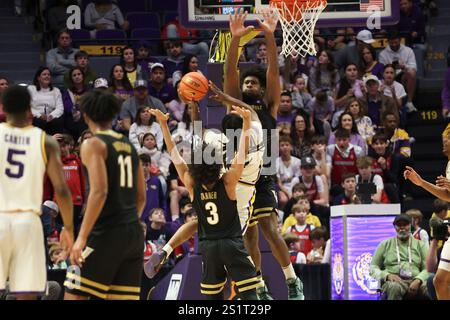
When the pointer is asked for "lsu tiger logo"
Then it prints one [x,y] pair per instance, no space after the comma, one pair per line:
[338,273]
[361,274]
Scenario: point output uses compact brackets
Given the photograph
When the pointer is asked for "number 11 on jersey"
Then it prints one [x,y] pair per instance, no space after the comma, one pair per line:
[126,171]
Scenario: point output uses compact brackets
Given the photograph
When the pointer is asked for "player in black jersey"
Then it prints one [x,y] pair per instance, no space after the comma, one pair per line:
[265,100]
[213,196]
[107,256]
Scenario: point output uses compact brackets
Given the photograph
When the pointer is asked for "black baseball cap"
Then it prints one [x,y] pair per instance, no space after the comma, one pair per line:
[402,218]
[307,162]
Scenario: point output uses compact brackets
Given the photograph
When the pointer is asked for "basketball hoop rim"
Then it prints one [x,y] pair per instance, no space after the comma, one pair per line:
[295,8]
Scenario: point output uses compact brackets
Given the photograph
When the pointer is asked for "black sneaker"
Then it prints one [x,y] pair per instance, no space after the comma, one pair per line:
[295,289]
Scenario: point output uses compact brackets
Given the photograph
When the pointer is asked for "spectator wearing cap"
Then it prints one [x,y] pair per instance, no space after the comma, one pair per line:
[143,57]
[60,59]
[141,98]
[375,102]
[100,84]
[412,22]
[317,186]
[73,119]
[52,227]
[352,54]
[4,84]
[174,60]
[129,62]
[159,88]
[404,62]
[369,63]
[103,15]
[399,263]
[82,62]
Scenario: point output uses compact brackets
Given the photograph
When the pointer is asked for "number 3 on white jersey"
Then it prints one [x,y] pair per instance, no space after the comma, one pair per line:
[212,208]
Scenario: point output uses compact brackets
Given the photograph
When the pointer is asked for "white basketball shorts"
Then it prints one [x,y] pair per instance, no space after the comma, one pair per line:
[22,253]
[245,197]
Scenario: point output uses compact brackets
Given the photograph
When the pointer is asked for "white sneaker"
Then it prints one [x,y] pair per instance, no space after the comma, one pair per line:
[410,107]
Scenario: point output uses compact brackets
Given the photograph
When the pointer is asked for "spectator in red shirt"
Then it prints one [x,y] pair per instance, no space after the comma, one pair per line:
[187,247]
[174,30]
[74,176]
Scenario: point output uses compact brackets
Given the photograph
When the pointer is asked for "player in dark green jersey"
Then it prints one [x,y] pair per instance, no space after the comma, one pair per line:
[213,195]
[107,256]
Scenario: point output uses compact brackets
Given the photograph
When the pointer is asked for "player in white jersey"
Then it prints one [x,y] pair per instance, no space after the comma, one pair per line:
[26,153]
[442,191]
[245,189]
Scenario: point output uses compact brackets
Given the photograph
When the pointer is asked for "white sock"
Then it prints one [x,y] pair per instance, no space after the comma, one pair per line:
[168,249]
[289,272]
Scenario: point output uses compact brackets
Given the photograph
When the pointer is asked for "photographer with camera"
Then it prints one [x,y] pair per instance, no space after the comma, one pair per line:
[441,190]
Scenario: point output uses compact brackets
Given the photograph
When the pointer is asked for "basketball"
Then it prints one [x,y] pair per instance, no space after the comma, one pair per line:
[193,86]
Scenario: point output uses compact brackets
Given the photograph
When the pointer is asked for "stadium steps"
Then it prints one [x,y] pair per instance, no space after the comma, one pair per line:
[19,50]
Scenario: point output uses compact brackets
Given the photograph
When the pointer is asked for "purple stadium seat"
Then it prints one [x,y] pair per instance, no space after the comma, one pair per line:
[164,5]
[132,6]
[143,20]
[111,34]
[146,34]
[169,16]
[80,34]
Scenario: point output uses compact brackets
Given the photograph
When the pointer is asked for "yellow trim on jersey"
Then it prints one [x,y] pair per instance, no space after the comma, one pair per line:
[253,286]
[252,224]
[44,152]
[213,286]
[263,215]
[263,210]
[70,285]
[88,282]
[121,297]
[125,289]
[240,283]
[110,133]
[23,128]
[212,292]
[22,211]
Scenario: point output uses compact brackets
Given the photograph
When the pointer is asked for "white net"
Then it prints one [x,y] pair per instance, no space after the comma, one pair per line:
[298,21]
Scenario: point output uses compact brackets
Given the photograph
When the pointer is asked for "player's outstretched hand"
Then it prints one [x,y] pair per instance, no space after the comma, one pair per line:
[237,20]
[243,113]
[66,242]
[270,20]
[413,176]
[219,95]
[443,182]
[76,255]
[160,117]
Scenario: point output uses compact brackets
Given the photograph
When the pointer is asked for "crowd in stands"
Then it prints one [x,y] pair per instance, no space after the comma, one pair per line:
[342,121]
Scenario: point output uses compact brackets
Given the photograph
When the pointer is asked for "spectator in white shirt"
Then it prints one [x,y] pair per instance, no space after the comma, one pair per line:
[365,175]
[392,88]
[46,103]
[288,167]
[404,62]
